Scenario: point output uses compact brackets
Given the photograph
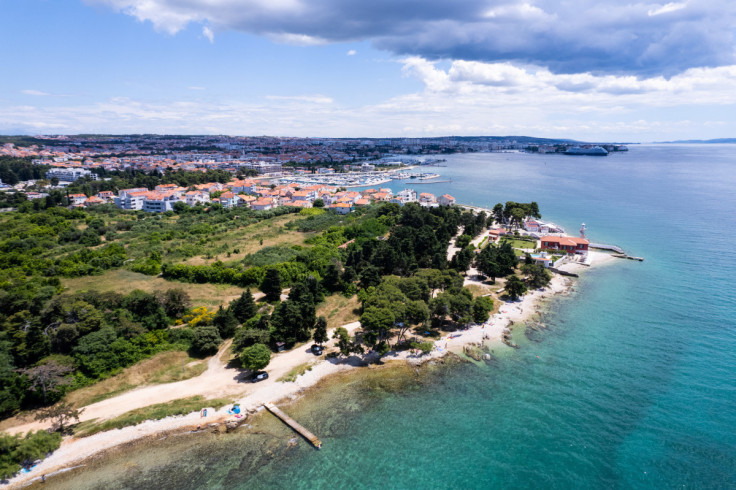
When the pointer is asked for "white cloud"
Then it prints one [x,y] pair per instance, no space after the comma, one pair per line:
[207,32]
[665,9]
[312,99]
[196,88]
[352,52]
[36,93]
[461,97]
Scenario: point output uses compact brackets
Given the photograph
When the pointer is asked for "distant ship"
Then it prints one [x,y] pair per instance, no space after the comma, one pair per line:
[595,151]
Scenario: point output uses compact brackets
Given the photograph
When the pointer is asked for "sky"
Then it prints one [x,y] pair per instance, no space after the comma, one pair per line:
[593,70]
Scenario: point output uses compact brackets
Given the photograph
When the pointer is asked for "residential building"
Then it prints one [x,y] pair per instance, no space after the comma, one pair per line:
[445,200]
[70,174]
[93,201]
[229,200]
[77,199]
[427,198]
[262,204]
[107,196]
[341,208]
[565,244]
[194,197]
[131,198]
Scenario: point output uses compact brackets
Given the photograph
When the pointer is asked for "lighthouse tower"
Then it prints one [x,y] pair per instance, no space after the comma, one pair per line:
[582,230]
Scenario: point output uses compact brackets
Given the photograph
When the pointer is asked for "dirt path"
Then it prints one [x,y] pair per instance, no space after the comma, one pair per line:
[218,381]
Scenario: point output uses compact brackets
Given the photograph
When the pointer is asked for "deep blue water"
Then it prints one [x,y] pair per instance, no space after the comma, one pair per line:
[633,385]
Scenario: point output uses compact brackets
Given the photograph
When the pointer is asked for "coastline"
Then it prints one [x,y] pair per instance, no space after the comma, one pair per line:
[74,452]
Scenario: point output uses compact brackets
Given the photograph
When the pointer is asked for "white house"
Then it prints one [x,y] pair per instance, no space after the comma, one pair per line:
[406,195]
[77,199]
[194,197]
[446,200]
[341,207]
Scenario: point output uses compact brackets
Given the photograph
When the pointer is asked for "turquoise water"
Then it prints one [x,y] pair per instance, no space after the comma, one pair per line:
[633,385]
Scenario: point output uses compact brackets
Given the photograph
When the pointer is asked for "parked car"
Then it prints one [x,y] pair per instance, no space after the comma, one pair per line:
[317,350]
[260,376]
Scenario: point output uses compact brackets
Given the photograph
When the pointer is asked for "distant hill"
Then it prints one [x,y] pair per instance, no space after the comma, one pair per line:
[717,140]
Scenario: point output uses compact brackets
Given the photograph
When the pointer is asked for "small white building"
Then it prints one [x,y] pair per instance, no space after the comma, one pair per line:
[194,197]
[445,200]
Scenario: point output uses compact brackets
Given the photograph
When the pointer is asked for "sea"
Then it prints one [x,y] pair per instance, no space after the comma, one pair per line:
[630,384]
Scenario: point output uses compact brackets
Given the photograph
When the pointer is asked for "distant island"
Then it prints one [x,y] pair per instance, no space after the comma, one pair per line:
[704,142]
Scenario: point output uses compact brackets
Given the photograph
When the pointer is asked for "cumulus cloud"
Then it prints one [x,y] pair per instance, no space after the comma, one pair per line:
[504,82]
[463,97]
[352,52]
[598,36]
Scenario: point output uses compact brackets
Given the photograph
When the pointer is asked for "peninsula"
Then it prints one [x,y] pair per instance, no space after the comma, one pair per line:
[149,302]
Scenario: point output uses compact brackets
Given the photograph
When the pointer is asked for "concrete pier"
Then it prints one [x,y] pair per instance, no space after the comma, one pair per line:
[293,424]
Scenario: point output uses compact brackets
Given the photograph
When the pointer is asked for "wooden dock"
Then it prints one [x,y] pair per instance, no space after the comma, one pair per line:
[294,424]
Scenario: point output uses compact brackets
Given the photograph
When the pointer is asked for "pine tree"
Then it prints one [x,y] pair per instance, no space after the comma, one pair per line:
[225,322]
[244,308]
[320,331]
[271,285]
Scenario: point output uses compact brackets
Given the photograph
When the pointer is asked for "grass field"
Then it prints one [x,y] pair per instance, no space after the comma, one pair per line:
[478,290]
[339,310]
[516,243]
[124,281]
[248,240]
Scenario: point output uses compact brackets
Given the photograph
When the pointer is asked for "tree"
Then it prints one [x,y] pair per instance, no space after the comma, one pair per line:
[498,213]
[320,331]
[376,322]
[461,306]
[176,302]
[206,340]
[417,313]
[345,343]
[90,238]
[47,376]
[245,337]
[370,276]
[462,259]
[244,308]
[318,203]
[537,276]
[515,287]
[482,306]
[16,450]
[271,285]
[59,415]
[225,322]
[331,278]
[255,357]
[463,241]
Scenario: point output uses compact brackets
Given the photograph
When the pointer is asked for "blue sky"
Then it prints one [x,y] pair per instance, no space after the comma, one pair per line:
[592,70]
